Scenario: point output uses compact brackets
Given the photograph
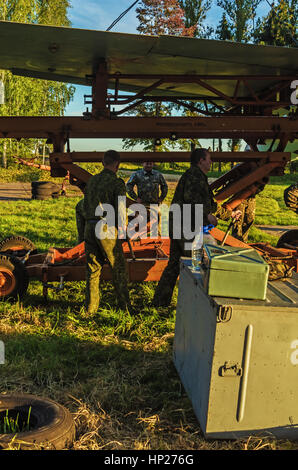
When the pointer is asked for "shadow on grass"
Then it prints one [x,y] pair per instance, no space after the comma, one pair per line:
[128,383]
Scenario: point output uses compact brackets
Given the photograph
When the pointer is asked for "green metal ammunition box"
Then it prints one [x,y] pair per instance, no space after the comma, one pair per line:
[234,272]
[238,360]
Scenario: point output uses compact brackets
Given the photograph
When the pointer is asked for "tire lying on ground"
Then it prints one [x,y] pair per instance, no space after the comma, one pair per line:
[38,185]
[17,246]
[43,189]
[51,425]
[14,278]
[288,238]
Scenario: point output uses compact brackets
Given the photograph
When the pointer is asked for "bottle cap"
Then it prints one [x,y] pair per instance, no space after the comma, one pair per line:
[207,228]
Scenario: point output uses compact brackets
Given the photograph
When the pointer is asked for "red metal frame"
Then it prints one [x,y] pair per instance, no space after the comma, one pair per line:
[226,117]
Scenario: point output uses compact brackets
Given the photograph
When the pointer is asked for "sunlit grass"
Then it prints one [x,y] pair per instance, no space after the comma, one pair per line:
[114,371]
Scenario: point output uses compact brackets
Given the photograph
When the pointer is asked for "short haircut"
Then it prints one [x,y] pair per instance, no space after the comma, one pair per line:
[111,157]
[197,155]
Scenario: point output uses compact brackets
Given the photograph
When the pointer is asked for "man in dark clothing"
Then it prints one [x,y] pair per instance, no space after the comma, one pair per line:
[192,189]
[80,220]
[101,237]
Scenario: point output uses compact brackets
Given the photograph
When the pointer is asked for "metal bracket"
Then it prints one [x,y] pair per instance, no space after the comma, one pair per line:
[56,288]
[230,369]
[224,313]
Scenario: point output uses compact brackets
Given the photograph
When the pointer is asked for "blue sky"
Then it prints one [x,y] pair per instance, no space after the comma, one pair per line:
[99,15]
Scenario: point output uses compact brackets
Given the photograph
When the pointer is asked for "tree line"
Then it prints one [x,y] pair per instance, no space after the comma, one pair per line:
[28,96]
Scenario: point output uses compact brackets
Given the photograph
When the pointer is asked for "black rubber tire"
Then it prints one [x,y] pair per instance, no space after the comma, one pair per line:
[42,198]
[290,237]
[38,185]
[52,426]
[42,192]
[8,244]
[16,276]
[43,189]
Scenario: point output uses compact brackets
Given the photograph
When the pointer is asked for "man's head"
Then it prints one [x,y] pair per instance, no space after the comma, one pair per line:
[111,160]
[148,166]
[201,157]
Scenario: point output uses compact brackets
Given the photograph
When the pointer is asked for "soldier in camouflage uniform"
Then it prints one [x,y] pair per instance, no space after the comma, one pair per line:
[151,189]
[291,197]
[148,183]
[80,220]
[242,226]
[192,188]
[104,188]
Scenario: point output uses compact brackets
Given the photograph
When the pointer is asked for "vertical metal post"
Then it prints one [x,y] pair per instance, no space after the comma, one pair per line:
[100,91]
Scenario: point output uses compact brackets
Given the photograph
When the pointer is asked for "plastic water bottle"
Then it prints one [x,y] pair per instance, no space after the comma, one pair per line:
[207,238]
[2,96]
[197,246]
[196,250]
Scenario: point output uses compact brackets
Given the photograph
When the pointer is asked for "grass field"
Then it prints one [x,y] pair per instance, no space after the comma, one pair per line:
[113,372]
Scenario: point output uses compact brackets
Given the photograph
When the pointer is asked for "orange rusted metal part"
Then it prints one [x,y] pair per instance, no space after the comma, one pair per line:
[33,164]
[75,127]
[287,256]
[151,257]
[143,248]
[219,235]
[138,157]
[7,282]
[139,270]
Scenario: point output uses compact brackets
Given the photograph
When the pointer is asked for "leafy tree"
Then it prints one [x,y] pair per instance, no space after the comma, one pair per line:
[279,27]
[223,30]
[27,96]
[195,12]
[158,17]
[240,16]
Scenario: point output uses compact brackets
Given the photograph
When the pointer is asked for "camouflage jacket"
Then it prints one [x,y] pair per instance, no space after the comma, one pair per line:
[148,185]
[291,197]
[193,188]
[103,188]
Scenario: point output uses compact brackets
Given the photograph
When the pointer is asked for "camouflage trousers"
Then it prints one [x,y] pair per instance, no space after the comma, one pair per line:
[242,226]
[164,291]
[80,220]
[98,252]
[291,197]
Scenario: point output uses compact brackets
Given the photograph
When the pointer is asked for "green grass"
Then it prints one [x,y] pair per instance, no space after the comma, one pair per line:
[12,423]
[114,372]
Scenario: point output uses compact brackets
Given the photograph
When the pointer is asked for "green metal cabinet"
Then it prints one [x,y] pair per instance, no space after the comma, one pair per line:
[238,359]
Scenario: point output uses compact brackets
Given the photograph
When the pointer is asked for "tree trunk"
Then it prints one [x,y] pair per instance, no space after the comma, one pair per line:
[4,155]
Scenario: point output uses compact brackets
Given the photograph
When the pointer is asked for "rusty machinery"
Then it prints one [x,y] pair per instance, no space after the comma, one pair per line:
[226,106]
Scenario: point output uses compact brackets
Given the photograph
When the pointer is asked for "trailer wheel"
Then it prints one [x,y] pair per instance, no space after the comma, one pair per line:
[14,279]
[50,424]
[17,246]
[288,238]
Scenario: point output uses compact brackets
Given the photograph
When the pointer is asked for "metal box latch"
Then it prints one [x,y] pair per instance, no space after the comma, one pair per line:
[230,369]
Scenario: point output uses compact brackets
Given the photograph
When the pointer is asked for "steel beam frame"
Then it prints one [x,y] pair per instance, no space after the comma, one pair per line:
[278,94]
[59,129]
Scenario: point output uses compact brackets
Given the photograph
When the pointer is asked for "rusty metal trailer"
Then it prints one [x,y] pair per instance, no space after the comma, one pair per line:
[234,91]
